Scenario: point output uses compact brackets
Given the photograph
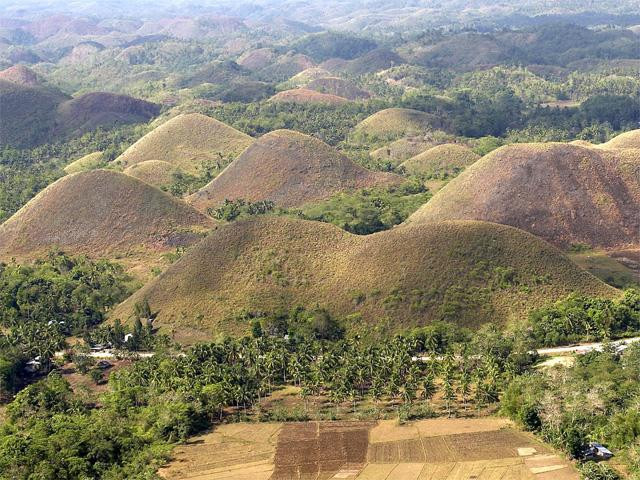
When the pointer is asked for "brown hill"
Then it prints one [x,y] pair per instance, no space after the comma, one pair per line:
[444,160]
[290,169]
[154,172]
[339,87]
[187,141]
[624,140]
[27,113]
[98,213]
[304,95]
[98,109]
[304,77]
[563,193]
[257,59]
[21,75]
[398,122]
[388,281]
[402,149]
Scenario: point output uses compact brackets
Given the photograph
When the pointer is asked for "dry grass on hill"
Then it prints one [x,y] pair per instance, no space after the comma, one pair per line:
[338,86]
[306,76]
[21,75]
[443,160]
[100,213]
[290,169]
[629,139]
[398,122]
[154,172]
[563,193]
[404,277]
[88,162]
[187,141]
[304,95]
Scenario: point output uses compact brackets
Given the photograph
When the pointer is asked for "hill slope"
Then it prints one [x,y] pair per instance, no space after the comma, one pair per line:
[442,160]
[338,86]
[21,75]
[563,193]
[624,140]
[99,212]
[290,169]
[88,162]
[98,109]
[154,172]
[187,141]
[398,122]
[391,280]
[304,95]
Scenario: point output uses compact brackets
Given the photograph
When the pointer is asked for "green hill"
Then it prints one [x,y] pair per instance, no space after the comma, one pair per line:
[466,272]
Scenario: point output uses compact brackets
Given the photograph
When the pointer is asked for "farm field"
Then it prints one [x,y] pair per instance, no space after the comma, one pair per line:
[434,449]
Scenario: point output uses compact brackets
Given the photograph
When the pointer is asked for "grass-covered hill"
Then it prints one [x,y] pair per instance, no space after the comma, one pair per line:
[98,109]
[402,149]
[443,160]
[398,122]
[100,213]
[566,194]
[326,45]
[290,169]
[629,139]
[90,161]
[27,113]
[466,272]
[154,172]
[305,95]
[187,141]
[32,115]
[338,86]
[21,75]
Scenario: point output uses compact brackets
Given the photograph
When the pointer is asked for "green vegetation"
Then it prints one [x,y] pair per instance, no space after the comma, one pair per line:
[369,210]
[579,318]
[594,400]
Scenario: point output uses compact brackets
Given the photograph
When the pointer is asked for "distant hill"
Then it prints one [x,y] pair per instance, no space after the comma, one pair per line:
[447,159]
[388,281]
[564,193]
[285,67]
[218,72]
[88,162]
[187,141]
[398,122]
[308,75]
[154,172]
[100,213]
[31,115]
[97,109]
[629,139]
[21,75]
[402,149]
[325,45]
[256,59]
[371,62]
[290,169]
[338,86]
[304,96]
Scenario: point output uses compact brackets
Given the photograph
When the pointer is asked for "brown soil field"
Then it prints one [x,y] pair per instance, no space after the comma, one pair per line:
[305,95]
[401,277]
[101,213]
[290,169]
[187,141]
[242,451]
[343,450]
[565,194]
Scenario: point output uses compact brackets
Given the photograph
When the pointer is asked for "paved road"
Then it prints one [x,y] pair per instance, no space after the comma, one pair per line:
[587,347]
